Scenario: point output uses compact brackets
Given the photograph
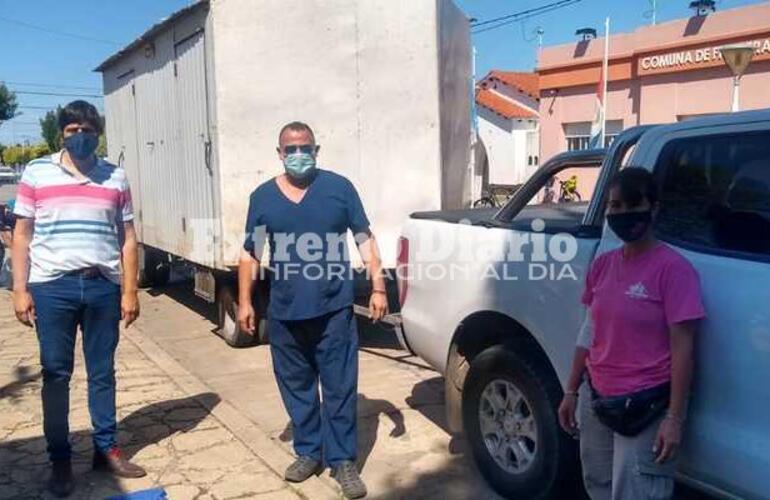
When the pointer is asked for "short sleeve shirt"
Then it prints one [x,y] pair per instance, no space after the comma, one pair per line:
[78,223]
[633,302]
[309,255]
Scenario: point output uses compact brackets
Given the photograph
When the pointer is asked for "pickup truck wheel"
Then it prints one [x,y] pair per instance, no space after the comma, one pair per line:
[229,330]
[511,422]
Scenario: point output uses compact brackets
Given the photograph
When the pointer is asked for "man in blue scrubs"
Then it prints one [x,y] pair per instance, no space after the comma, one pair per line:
[305,215]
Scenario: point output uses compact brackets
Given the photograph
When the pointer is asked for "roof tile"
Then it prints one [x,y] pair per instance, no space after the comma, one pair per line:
[502,106]
[528,83]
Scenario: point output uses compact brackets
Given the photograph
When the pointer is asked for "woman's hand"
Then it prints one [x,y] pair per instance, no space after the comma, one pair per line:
[567,410]
[668,439]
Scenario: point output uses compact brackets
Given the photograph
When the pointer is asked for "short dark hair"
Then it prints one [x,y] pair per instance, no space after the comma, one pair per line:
[636,184]
[80,112]
[296,127]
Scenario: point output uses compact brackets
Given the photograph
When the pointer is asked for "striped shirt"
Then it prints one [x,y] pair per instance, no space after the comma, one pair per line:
[78,222]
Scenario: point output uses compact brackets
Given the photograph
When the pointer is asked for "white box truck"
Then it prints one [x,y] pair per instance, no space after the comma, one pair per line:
[194,105]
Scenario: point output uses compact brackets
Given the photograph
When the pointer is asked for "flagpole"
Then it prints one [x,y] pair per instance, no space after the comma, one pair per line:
[605,72]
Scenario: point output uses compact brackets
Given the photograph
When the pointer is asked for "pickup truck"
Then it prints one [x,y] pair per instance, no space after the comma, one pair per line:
[491,299]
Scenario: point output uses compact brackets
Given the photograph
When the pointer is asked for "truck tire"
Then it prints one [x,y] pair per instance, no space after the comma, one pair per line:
[227,306]
[511,422]
[156,269]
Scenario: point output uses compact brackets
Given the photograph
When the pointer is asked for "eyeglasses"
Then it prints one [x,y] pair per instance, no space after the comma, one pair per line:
[307,149]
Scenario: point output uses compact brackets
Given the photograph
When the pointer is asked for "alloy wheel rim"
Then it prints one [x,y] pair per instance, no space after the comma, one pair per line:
[508,426]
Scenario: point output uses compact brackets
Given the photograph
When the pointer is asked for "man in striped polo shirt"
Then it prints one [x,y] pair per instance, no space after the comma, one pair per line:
[74,245]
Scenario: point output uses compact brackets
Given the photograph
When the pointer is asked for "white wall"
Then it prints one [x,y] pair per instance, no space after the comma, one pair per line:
[506,146]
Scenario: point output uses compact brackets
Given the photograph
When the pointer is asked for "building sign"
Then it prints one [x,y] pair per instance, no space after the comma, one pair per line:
[696,58]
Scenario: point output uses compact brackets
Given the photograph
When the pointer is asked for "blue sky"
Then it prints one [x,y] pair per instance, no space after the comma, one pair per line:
[38,61]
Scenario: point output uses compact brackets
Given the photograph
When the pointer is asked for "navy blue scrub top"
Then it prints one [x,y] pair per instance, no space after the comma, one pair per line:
[309,257]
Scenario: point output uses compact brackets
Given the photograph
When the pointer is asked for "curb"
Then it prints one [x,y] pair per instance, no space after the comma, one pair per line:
[244,429]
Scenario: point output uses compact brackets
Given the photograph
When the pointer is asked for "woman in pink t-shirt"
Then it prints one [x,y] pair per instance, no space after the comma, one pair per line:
[635,353]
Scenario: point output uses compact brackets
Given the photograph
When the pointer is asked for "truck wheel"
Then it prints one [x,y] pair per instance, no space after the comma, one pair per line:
[510,419]
[156,270]
[229,330]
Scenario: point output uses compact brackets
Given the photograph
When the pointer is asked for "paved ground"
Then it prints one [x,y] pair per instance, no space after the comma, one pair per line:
[197,413]
[7,191]
[404,450]
[169,430]
[207,420]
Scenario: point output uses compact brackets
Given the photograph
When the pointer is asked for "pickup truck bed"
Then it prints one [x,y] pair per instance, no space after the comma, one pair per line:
[558,217]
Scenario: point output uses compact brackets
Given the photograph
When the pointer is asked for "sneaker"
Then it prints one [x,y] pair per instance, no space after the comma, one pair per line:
[114,462]
[302,469]
[61,484]
[347,476]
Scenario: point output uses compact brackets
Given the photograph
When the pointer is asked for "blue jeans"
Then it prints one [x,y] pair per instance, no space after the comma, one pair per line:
[61,305]
[304,352]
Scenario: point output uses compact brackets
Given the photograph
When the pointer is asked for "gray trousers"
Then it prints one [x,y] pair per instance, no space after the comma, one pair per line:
[617,467]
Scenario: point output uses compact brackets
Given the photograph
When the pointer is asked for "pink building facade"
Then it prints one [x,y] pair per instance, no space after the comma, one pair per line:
[657,74]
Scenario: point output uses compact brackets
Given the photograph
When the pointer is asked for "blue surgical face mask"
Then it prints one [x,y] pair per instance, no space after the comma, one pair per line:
[82,145]
[299,165]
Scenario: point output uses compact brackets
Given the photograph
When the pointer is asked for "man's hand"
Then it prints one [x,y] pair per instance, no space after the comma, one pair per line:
[129,308]
[668,439]
[567,410]
[24,307]
[378,306]
[246,317]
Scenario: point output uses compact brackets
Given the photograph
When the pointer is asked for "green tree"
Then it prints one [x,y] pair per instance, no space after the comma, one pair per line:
[8,104]
[49,129]
[101,149]
[21,155]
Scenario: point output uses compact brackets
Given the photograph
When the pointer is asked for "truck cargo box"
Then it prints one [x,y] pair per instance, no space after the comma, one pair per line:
[194,106]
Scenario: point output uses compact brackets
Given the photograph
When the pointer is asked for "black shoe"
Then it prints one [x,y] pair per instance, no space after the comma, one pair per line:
[302,469]
[347,476]
[61,484]
[114,462]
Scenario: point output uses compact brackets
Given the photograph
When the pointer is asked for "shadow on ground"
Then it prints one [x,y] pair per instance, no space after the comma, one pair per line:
[23,376]
[369,411]
[24,462]
[428,398]
[183,292]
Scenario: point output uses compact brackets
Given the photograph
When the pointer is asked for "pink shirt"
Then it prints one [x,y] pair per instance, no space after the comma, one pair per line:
[632,302]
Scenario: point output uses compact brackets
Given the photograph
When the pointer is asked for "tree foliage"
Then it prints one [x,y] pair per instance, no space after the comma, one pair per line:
[49,129]
[101,149]
[8,104]
[21,155]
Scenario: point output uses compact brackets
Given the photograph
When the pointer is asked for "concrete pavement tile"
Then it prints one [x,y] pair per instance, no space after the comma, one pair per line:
[148,452]
[204,477]
[182,492]
[171,478]
[157,463]
[193,441]
[243,485]
[285,494]
[220,457]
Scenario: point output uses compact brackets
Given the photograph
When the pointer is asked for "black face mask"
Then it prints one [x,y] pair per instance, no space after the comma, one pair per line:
[630,226]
